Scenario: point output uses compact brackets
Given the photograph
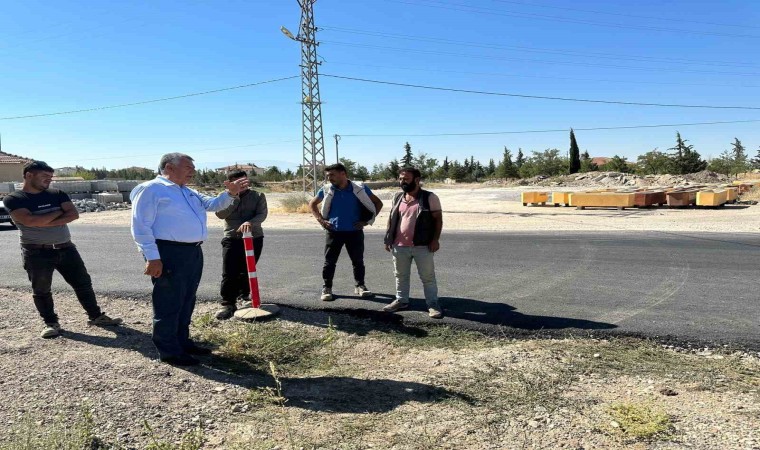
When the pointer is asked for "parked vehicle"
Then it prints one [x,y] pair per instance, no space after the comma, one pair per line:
[5,216]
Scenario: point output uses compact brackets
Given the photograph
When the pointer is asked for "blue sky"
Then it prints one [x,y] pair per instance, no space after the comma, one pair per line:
[66,55]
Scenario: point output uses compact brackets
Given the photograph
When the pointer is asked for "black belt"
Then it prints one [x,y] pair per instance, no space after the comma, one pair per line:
[47,246]
[184,244]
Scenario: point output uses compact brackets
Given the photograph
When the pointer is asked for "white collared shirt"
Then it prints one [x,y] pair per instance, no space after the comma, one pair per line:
[165,210]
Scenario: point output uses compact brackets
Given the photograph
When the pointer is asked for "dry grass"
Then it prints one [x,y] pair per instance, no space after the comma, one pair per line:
[254,346]
[640,421]
[753,194]
[297,202]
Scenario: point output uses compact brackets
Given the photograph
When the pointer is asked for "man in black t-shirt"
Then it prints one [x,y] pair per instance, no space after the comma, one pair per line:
[41,215]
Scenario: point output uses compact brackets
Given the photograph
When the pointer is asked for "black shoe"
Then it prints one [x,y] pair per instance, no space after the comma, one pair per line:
[196,350]
[180,360]
[226,313]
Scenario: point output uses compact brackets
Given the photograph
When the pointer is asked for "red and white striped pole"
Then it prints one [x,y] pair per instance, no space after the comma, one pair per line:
[250,261]
[257,311]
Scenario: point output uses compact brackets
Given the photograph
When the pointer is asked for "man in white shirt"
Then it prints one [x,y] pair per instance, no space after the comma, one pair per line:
[169,226]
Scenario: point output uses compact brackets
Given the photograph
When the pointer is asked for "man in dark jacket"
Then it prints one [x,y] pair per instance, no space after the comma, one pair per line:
[245,214]
[414,228]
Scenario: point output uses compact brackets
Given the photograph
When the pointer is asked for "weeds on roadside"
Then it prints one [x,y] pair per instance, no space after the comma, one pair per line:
[635,356]
[297,202]
[32,434]
[640,421]
[433,336]
[256,345]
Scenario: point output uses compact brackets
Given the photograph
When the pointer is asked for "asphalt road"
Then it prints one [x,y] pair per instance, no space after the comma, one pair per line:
[685,287]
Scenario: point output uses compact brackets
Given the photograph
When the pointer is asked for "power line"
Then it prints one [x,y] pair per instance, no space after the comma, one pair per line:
[195,94]
[635,16]
[540,61]
[498,74]
[542,97]
[499,12]
[563,52]
[556,130]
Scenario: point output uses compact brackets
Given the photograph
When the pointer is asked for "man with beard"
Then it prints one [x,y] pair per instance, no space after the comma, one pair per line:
[42,215]
[414,230]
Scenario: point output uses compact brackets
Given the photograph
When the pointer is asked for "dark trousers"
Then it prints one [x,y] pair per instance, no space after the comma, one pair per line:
[174,297]
[235,270]
[334,242]
[40,264]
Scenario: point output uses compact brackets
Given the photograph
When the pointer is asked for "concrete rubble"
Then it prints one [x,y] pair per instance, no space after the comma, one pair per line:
[92,205]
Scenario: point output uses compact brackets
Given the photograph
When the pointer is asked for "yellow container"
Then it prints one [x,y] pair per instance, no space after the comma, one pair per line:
[561,198]
[712,198]
[534,197]
[732,194]
[602,200]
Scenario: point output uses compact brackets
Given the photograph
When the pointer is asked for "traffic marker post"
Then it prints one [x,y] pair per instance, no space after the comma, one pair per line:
[257,311]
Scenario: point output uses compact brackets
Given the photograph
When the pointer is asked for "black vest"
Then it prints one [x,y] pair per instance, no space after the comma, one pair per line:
[423,228]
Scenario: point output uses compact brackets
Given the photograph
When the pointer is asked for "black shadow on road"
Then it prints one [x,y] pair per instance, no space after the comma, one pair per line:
[505,315]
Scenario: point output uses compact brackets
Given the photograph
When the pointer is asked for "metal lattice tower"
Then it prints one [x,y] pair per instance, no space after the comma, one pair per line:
[311,105]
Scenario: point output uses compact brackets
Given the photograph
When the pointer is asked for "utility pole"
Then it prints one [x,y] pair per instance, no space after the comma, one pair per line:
[337,138]
[311,104]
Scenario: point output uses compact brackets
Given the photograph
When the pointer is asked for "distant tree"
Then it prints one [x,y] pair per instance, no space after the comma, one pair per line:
[654,163]
[685,158]
[741,164]
[491,171]
[722,164]
[85,174]
[350,166]
[361,173]
[616,164]
[548,163]
[446,164]
[520,160]
[391,171]
[575,154]
[507,168]
[425,164]
[756,160]
[587,164]
[272,174]
[408,159]
[457,171]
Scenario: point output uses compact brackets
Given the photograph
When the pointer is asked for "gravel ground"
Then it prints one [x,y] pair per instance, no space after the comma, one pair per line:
[378,394]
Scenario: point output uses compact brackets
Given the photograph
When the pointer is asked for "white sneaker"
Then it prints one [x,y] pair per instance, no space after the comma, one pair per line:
[396,305]
[51,330]
[435,313]
[362,291]
[327,295]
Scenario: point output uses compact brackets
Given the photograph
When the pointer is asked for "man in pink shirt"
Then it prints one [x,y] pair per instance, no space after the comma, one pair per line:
[414,230]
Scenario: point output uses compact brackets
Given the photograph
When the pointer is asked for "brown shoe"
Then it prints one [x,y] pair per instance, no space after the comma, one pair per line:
[396,305]
[104,321]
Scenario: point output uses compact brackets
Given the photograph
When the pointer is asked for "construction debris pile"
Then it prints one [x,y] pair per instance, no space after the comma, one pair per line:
[97,195]
[92,205]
